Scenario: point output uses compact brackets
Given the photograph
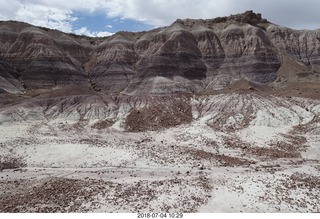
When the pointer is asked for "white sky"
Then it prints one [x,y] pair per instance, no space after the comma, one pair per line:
[61,14]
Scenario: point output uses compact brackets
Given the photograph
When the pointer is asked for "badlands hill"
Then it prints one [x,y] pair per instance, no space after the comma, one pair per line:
[189,56]
[219,115]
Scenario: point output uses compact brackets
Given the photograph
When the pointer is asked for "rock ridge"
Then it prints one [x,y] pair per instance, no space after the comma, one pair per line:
[189,56]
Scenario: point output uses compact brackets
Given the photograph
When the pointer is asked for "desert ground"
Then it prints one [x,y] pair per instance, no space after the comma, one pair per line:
[244,151]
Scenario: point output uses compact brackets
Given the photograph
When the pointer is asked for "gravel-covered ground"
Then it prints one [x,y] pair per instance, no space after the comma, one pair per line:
[240,152]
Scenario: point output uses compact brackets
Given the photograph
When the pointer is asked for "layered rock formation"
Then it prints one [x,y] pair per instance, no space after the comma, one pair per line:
[187,56]
[9,79]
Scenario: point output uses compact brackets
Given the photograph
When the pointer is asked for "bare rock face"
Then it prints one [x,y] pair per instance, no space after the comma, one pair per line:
[172,52]
[188,56]
[112,63]
[43,59]
[300,55]
[303,45]
[9,81]
[249,54]
[212,52]
[169,60]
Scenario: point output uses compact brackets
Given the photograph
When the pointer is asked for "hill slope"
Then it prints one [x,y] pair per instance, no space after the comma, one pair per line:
[188,56]
[235,129]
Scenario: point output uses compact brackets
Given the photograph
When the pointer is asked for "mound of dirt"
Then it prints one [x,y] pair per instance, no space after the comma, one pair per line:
[159,113]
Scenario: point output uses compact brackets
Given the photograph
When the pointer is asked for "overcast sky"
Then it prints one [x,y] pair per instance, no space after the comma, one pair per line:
[104,17]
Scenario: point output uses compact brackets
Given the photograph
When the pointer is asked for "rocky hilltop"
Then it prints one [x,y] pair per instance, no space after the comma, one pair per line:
[189,56]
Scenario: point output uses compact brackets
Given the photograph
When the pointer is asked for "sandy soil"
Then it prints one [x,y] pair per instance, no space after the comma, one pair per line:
[238,152]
